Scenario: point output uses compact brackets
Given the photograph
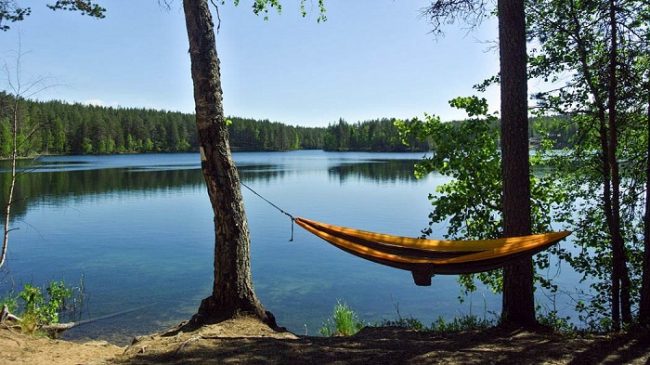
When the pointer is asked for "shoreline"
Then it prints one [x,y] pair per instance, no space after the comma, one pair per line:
[246,340]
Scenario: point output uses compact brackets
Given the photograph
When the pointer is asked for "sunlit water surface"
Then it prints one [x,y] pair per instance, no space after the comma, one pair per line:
[138,229]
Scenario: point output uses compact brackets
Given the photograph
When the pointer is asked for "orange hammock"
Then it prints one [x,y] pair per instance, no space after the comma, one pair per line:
[423,257]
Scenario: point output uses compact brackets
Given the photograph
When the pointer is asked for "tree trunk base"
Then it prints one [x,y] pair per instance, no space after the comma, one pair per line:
[212,312]
[535,327]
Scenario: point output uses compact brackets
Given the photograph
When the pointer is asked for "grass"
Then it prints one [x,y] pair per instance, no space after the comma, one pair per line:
[467,322]
[343,322]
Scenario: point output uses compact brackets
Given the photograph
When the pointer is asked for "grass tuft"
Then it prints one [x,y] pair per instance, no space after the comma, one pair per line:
[343,322]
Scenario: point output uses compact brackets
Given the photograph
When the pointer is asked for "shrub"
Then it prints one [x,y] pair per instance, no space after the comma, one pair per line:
[557,323]
[404,322]
[36,309]
[463,323]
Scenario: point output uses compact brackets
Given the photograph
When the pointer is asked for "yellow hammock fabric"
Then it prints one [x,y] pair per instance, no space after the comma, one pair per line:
[425,257]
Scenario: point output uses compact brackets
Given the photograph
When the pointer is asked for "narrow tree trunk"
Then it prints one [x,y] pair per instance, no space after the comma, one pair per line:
[605,159]
[518,300]
[12,186]
[618,246]
[644,306]
[232,292]
[607,209]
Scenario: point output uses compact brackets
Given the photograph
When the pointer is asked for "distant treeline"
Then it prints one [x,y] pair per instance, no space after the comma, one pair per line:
[374,135]
[56,127]
[382,136]
[559,129]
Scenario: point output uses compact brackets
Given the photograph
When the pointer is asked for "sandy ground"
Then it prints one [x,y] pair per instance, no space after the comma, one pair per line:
[247,341]
[16,348]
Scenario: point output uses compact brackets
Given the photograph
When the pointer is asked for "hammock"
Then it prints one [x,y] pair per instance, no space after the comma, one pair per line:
[423,257]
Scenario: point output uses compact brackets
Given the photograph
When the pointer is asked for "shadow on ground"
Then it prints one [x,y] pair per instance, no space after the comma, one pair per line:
[396,345]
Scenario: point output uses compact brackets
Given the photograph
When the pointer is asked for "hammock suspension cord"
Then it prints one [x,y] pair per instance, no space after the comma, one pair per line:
[291,217]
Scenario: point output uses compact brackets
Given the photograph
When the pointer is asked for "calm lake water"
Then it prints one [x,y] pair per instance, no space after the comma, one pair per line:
[138,230]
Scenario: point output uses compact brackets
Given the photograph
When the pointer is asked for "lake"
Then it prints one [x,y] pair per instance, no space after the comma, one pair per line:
[138,230]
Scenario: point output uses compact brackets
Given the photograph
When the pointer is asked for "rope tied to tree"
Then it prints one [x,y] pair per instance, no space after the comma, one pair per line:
[274,206]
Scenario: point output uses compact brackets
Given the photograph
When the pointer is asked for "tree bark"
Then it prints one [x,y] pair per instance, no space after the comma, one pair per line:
[606,159]
[620,274]
[232,292]
[644,305]
[12,186]
[607,208]
[518,301]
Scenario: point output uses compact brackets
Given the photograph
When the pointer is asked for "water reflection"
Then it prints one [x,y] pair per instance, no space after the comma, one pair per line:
[56,182]
[55,188]
[376,170]
[262,173]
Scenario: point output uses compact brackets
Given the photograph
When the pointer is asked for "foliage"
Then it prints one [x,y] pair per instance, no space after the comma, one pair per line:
[85,7]
[264,6]
[594,104]
[457,324]
[374,135]
[470,204]
[11,11]
[404,322]
[466,152]
[463,323]
[344,322]
[558,323]
[575,53]
[36,309]
[443,12]
[11,301]
[62,128]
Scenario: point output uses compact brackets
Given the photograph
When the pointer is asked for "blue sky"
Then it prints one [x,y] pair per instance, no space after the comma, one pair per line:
[370,59]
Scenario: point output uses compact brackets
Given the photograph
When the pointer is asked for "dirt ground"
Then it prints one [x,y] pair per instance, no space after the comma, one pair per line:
[16,348]
[247,341]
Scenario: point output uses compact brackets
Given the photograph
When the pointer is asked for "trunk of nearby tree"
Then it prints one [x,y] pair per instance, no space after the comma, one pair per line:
[644,306]
[12,186]
[620,275]
[607,208]
[232,292]
[518,300]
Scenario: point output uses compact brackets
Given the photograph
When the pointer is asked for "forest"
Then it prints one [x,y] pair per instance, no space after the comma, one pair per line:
[56,127]
[59,128]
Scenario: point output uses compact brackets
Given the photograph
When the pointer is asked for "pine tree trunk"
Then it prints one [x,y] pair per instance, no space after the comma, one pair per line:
[518,300]
[232,292]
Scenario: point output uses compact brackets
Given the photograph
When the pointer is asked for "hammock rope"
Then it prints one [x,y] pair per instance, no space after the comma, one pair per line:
[291,217]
